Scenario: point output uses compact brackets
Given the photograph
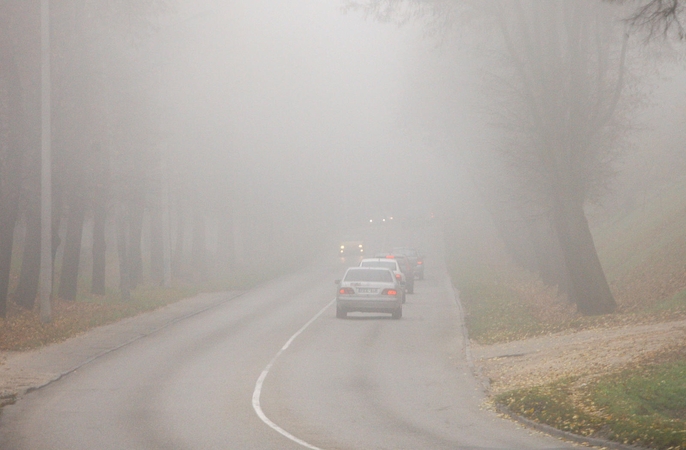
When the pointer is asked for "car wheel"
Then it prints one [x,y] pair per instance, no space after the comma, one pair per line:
[410,288]
[341,313]
[404,296]
[398,313]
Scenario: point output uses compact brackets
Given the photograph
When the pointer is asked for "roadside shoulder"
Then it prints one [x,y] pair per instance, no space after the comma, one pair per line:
[21,372]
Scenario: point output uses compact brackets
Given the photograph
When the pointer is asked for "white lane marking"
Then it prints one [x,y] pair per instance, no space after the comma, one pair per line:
[260,381]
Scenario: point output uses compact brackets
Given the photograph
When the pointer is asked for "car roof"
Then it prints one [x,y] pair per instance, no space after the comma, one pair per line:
[376,260]
[389,256]
[368,268]
[404,249]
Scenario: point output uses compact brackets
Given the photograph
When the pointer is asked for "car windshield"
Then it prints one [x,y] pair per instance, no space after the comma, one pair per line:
[387,264]
[368,275]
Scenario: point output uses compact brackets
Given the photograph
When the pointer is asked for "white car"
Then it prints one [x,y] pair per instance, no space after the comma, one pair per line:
[369,289]
[389,264]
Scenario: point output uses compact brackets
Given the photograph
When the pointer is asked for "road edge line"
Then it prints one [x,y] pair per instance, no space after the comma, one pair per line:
[260,381]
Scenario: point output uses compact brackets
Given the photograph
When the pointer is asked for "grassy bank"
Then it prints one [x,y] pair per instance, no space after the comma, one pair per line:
[643,253]
[643,406]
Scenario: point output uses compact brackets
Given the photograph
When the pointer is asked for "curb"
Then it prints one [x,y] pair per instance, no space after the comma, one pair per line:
[7,399]
[564,434]
[552,431]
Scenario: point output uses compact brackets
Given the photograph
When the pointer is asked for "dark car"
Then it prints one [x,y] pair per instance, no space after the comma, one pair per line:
[415,258]
[406,267]
[351,248]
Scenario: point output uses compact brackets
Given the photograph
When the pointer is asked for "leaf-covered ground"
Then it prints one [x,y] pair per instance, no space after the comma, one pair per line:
[583,355]
[22,329]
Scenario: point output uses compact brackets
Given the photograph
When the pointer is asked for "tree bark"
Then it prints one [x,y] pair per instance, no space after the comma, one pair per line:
[124,277]
[177,259]
[588,286]
[199,257]
[98,280]
[156,246]
[225,244]
[72,249]
[26,293]
[549,259]
[10,159]
[136,216]
[100,205]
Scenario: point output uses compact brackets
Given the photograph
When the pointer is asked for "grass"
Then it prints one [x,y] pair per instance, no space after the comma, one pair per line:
[644,256]
[494,311]
[644,407]
[643,253]
[23,330]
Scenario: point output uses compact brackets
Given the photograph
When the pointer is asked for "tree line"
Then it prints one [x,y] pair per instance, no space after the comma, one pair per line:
[117,176]
[561,85]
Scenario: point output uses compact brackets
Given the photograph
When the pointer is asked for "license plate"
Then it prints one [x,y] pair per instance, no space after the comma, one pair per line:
[366,290]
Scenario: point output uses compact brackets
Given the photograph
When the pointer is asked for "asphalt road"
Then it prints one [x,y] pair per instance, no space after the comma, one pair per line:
[274,369]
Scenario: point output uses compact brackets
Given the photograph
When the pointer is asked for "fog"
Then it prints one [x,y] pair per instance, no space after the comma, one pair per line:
[229,133]
[301,105]
[302,117]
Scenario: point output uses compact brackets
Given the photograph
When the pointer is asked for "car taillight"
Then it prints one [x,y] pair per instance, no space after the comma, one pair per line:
[397,275]
[419,263]
[390,257]
[346,291]
[390,292]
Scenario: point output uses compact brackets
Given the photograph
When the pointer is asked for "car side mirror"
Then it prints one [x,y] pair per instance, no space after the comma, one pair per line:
[337,282]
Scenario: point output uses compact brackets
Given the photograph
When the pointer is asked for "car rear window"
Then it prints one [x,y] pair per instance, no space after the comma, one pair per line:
[405,251]
[368,275]
[387,264]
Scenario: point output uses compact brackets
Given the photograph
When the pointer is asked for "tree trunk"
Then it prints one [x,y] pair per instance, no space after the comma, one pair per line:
[10,159]
[199,261]
[136,216]
[156,246]
[72,249]
[549,259]
[124,277]
[588,286]
[177,260]
[225,244]
[8,217]
[26,293]
[29,278]
[57,207]
[100,204]
[98,286]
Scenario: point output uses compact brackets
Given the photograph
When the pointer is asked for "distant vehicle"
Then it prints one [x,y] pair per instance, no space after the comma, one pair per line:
[351,248]
[389,264]
[369,289]
[406,267]
[415,258]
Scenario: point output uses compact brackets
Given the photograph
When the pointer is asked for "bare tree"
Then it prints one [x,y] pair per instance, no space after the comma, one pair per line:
[556,90]
[658,17]
[12,126]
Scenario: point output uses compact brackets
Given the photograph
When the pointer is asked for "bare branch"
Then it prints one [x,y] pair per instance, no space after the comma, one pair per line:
[660,18]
